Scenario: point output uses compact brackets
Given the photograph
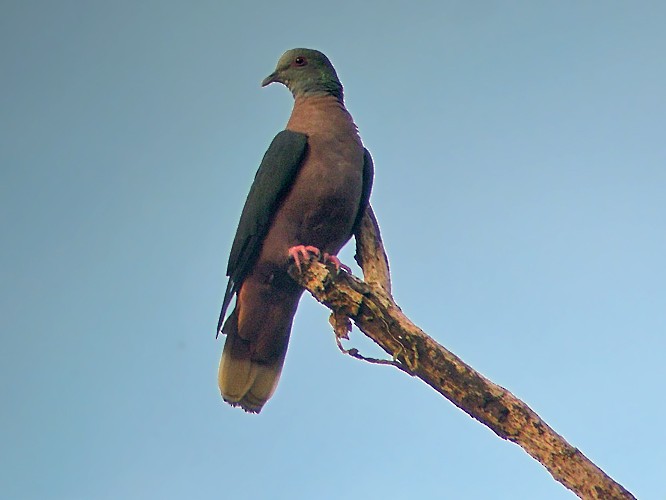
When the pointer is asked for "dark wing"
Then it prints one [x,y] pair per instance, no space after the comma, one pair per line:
[272,181]
[368,174]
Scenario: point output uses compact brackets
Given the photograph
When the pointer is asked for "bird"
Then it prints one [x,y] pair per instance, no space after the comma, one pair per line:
[307,199]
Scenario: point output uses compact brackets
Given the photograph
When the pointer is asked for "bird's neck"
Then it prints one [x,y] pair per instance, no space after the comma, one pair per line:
[318,113]
[318,88]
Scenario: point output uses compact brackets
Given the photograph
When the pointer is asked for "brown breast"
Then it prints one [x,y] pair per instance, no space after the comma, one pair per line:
[321,207]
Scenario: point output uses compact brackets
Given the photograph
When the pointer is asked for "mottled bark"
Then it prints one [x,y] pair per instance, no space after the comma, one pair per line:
[371,307]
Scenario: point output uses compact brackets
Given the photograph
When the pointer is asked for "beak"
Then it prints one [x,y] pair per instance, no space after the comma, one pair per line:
[272,78]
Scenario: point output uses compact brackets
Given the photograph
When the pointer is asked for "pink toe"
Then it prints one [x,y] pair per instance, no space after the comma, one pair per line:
[301,253]
[333,259]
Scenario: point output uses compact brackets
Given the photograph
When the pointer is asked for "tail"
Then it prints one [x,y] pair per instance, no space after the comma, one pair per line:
[255,349]
[243,381]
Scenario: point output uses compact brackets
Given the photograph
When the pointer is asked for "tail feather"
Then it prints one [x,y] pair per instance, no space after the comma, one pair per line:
[257,333]
[245,382]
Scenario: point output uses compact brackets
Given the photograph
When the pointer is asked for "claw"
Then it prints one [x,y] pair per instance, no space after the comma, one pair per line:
[332,259]
[301,253]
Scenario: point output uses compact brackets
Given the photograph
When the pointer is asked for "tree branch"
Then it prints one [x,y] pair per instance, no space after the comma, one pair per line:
[371,307]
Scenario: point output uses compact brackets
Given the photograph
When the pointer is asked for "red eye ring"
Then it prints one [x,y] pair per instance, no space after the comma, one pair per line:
[300,61]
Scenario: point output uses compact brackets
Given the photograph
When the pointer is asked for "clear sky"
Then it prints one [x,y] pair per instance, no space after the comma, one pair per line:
[521,189]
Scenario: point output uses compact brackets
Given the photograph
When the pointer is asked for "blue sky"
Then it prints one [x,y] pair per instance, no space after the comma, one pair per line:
[520,178]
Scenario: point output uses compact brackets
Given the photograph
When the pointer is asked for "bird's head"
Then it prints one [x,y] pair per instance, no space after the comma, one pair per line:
[306,72]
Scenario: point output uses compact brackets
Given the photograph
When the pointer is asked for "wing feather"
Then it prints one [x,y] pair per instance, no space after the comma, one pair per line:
[272,182]
[368,176]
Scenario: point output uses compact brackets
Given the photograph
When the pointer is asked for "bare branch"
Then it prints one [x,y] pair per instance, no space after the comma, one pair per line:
[370,253]
[373,310]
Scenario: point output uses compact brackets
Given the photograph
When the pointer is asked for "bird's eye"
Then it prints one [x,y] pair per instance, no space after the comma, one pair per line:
[300,61]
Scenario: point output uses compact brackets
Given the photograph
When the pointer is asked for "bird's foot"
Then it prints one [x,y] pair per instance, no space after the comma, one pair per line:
[332,259]
[301,253]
